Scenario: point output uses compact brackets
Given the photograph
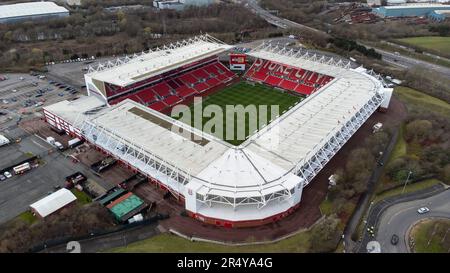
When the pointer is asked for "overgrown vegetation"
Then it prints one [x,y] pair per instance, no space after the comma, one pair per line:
[353,178]
[431,236]
[93,31]
[349,45]
[21,234]
[322,237]
[426,138]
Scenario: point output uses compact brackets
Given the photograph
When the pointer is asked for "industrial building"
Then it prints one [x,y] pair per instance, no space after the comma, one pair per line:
[180,4]
[31,11]
[439,15]
[409,10]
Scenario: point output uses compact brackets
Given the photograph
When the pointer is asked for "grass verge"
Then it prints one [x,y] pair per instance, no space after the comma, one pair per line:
[82,197]
[419,99]
[408,189]
[168,243]
[435,43]
[28,217]
[432,236]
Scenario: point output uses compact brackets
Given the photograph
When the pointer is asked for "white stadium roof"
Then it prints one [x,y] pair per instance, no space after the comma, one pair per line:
[53,202]
[28,9]
[136,68]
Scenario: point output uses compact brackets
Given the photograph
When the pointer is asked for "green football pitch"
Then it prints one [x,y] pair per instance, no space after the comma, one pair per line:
[253,99]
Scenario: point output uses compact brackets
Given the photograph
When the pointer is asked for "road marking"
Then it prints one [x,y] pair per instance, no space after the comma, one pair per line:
[400,211]
[38,144]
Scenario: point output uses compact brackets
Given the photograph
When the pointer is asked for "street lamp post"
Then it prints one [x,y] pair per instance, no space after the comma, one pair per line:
[406,181]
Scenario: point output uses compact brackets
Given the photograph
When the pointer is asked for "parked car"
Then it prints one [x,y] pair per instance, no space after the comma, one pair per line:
[2,177]
[423,210]
[394,239]
[7,174]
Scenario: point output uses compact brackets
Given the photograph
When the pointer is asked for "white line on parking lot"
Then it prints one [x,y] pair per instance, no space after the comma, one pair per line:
[39,144]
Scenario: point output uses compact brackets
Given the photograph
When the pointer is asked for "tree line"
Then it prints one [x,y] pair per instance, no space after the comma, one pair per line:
[93,31]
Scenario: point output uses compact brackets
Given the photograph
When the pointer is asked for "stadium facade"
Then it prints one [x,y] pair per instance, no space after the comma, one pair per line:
[257,182]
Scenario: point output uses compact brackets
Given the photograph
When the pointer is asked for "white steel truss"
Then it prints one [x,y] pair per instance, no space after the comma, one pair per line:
[309,167]
[135,155]
[164,48]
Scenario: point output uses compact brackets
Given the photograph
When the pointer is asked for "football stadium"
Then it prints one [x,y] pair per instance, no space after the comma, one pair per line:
[320,103]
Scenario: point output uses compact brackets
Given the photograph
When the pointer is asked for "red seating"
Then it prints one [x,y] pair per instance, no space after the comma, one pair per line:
[162,89]
[172,100]
[201,87]
[287,84]
[272,80]
[158,106]
[211,69]
[289,78]
[146,95]
[173,84]
[304,89]
[200,74]
[184,91]
[222,77]
[176,87]
[188,79]
[213,82]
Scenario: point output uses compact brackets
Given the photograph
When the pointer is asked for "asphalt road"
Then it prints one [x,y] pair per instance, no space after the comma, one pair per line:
[275,20]
[19,191]
[399,218]
[408,62]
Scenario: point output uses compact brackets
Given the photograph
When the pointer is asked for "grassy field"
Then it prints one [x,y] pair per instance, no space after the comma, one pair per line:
[244,94]
[326,207]
[419,99]
[167,243]
[408,189]
[400,146]
[27,217]
[412,54]
[82,197]
[439,44]
[432,236]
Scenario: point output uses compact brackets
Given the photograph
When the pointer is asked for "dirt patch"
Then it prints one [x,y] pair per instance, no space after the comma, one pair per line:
[39,127]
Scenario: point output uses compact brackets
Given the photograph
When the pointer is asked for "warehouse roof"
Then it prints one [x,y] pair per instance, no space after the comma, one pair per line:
[53,202]
[417,6]
[127,205]
[28,9]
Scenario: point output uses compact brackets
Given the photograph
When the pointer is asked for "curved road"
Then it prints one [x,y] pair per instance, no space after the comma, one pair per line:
[399,218]
[408,62]
[283,23]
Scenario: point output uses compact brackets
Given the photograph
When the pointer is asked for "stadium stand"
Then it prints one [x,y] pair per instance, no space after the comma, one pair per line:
[289,78]
[161,93]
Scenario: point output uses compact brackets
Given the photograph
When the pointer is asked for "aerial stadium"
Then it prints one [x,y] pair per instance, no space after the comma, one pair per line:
[231,183]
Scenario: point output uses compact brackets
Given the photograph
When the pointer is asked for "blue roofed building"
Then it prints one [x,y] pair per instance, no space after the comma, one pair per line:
[439,15]
[409,10]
